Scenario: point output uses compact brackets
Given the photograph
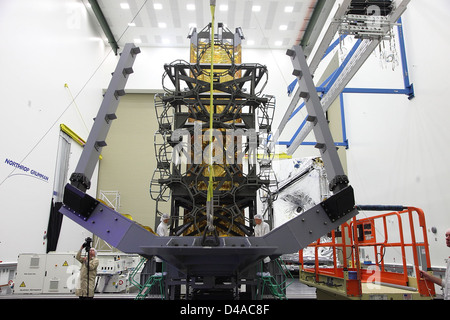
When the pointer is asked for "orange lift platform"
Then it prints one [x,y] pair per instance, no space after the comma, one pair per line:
[399,236]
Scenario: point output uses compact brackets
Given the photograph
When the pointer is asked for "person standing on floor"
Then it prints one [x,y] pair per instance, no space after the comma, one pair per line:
[162,231]
[261,229]
[88,272]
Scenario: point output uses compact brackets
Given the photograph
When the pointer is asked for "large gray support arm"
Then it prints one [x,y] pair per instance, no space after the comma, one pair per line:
[316,116]
[81,178]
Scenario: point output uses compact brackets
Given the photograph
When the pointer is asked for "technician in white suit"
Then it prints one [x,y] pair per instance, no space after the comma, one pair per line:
[162,231]
[163,227]
[262,228]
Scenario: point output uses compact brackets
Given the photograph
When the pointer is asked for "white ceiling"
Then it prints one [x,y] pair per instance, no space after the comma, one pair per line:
[166,23]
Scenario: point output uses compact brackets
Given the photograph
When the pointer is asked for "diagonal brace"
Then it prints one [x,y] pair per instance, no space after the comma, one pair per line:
[106,114]
[317,119]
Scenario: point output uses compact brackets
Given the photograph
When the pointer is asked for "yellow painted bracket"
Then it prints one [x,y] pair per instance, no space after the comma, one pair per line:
[75,137]
[72,134]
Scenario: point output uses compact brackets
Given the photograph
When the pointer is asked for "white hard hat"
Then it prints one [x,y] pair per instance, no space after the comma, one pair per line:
[165,216]
[258,216]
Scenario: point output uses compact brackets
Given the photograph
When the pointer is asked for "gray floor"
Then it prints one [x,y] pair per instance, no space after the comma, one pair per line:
[296,290]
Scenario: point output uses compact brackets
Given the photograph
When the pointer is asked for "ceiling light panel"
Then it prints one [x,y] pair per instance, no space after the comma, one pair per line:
[262,21]
[288,9]
[256,8]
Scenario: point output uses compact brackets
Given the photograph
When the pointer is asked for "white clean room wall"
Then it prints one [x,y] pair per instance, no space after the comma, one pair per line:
[398,147]
[51,54]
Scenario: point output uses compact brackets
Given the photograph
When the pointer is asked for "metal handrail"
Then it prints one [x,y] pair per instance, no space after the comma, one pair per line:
[351,246]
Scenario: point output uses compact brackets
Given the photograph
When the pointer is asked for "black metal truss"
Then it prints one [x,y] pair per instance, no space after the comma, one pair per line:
[242,92]
[371,7]
[238,104]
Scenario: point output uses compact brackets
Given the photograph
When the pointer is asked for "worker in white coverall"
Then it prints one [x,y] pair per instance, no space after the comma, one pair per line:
[88,273]
[262,228]
[162,231]
[163,227]
[444,283]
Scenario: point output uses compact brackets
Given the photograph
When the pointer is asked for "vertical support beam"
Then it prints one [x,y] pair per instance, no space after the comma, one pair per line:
[81,178]
[343,123]
[316,117]
[401,37]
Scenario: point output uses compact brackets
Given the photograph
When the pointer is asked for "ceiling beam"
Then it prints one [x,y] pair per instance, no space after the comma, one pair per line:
[104,25]
[316,24]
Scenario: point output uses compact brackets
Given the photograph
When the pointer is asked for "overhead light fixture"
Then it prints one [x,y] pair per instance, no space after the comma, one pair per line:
[256,8]
[132,24]
[250,42]
[125,5]
[223,7]
[283,27]
[162,25]
[137,41]
[278,43]
[165,41]
[288,9]
[96,39]
[157,6]
[190,7]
